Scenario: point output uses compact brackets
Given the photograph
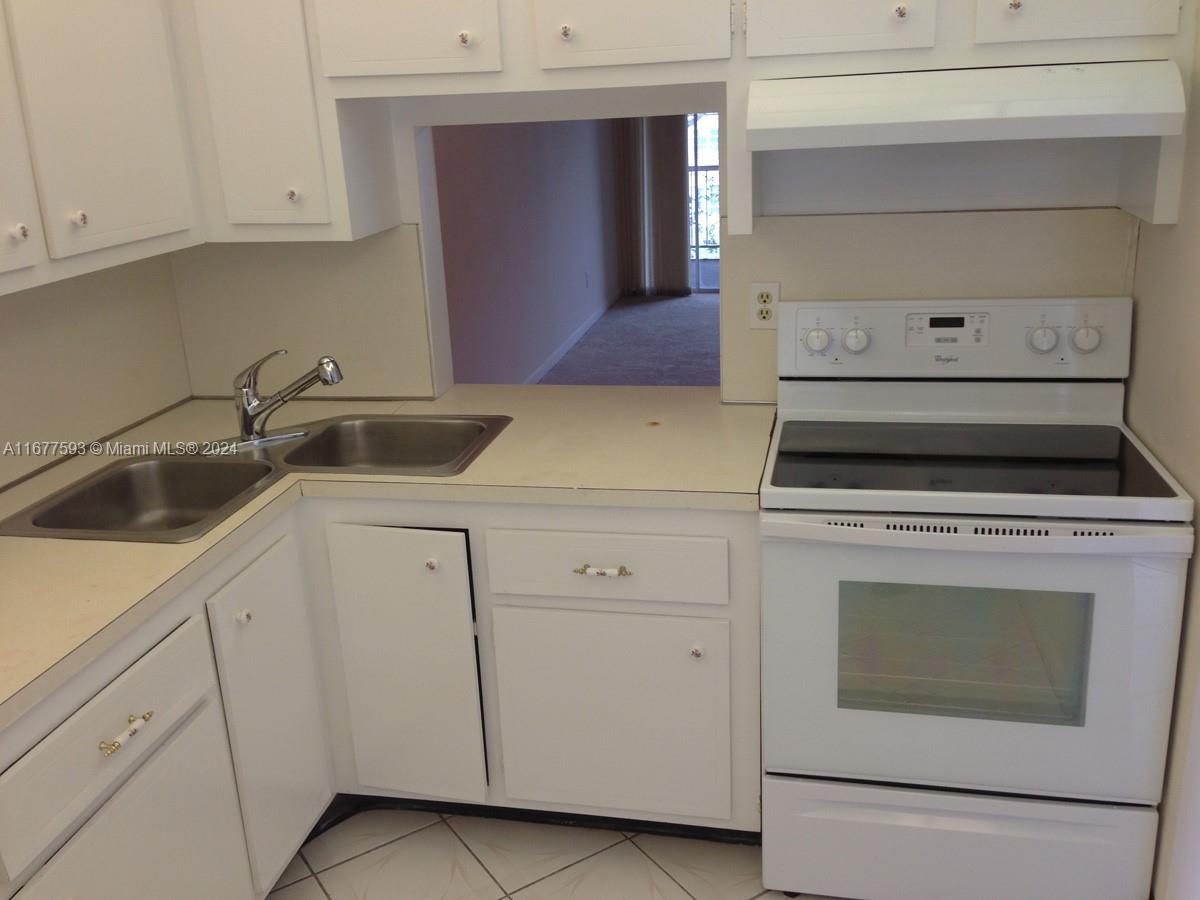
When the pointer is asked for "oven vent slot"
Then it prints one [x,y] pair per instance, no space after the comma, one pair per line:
[924,529]
[1081,533]
[847,524]
[1005,531]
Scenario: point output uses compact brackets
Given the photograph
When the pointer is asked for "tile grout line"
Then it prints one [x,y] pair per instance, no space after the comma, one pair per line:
[577,862]
[659,865]
[463,841]
[365,852]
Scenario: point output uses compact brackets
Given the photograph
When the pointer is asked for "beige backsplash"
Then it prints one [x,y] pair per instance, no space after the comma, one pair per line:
[362,302]
[1037,253]
[87,356]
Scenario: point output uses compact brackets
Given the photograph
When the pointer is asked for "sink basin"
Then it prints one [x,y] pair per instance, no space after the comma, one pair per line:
[397,445]
[149,498]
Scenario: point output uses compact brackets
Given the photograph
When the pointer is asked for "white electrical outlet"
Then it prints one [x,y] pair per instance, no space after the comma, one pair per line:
[764,304]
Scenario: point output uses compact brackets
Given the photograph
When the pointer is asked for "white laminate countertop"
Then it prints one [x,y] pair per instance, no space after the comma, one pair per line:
[640,446]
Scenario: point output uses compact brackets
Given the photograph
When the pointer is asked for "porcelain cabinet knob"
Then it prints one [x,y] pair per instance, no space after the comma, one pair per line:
[243,616]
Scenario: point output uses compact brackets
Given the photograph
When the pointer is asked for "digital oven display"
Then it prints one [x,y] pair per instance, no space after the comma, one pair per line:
[938,331]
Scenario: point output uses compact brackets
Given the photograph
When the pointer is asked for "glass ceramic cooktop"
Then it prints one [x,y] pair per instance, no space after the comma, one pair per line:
[1090,460]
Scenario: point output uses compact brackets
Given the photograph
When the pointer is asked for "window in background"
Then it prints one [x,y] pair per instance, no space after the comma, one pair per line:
[704,207]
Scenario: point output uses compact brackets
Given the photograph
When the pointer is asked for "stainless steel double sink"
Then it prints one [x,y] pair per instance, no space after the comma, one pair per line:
[172,499]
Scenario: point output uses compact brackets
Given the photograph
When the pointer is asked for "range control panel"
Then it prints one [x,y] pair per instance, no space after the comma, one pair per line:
[1036,338]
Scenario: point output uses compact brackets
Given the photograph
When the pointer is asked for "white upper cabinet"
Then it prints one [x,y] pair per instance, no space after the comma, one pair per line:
[1044,20]
[618,32]
[21,240]
[408,37]
[780,27]
[403,598]
[105,131]
[269,684]
[264,116]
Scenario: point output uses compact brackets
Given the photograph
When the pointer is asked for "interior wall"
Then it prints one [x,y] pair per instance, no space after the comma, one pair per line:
[528,216]
[92,354]
[362,302]
[1037,253]
[1076,173]
[1164,409]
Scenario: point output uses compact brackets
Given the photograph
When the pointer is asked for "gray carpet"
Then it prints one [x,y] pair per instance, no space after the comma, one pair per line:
[648,340]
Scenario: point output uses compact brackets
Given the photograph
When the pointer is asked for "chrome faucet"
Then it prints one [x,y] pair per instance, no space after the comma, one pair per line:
[254,410]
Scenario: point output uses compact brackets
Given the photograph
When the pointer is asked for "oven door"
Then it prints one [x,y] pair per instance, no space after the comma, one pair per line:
[1024,657]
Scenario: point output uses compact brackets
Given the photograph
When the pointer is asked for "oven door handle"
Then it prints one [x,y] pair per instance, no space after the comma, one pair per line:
[1151,540]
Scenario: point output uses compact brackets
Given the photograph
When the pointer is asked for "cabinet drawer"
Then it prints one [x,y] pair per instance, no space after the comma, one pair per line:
[609,566]
[620,32]
[50,787]
[1045,20]
[408,37]
[781,27]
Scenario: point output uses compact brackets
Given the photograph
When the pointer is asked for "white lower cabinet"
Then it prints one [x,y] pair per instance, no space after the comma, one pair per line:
[267,669]
[172,830]
[615,711]
[403,600]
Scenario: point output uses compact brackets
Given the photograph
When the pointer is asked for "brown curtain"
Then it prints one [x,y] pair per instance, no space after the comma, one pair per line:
[652,205]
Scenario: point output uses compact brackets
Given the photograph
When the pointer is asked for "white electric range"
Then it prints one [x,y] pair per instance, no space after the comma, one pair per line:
[973,580]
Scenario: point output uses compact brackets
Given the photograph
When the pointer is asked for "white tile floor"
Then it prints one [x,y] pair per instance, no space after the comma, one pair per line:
[405,855]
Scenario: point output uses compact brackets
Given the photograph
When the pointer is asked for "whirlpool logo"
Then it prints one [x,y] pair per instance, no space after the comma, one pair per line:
[943,359]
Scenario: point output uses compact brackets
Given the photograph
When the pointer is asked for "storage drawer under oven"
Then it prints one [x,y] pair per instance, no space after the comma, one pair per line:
[850,840]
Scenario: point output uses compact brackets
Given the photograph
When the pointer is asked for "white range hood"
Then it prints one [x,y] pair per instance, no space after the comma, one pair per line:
[1140,101]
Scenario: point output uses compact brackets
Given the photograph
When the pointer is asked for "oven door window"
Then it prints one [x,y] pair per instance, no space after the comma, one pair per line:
[981,653]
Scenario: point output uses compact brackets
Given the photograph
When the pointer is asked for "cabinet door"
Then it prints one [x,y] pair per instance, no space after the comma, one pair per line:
[264,117]
[172,830]
[615,711]
[1043,20]
[408,37]
[778,27]
[266,666]
[619,32]
[403,599]
[103,116]
[21,240]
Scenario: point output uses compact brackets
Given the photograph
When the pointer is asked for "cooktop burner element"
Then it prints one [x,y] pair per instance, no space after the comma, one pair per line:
[1089,460]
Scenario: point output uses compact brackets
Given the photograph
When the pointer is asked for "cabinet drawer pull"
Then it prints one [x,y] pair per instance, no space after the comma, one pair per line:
[19,232]
[901,11]
[697,652]
[108,748]
[566,32]
[589,569]
[464,39]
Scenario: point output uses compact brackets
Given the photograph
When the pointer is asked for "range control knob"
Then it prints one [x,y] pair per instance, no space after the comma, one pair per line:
[1043,340]
[1085,339]
[856,340]
[817,340]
